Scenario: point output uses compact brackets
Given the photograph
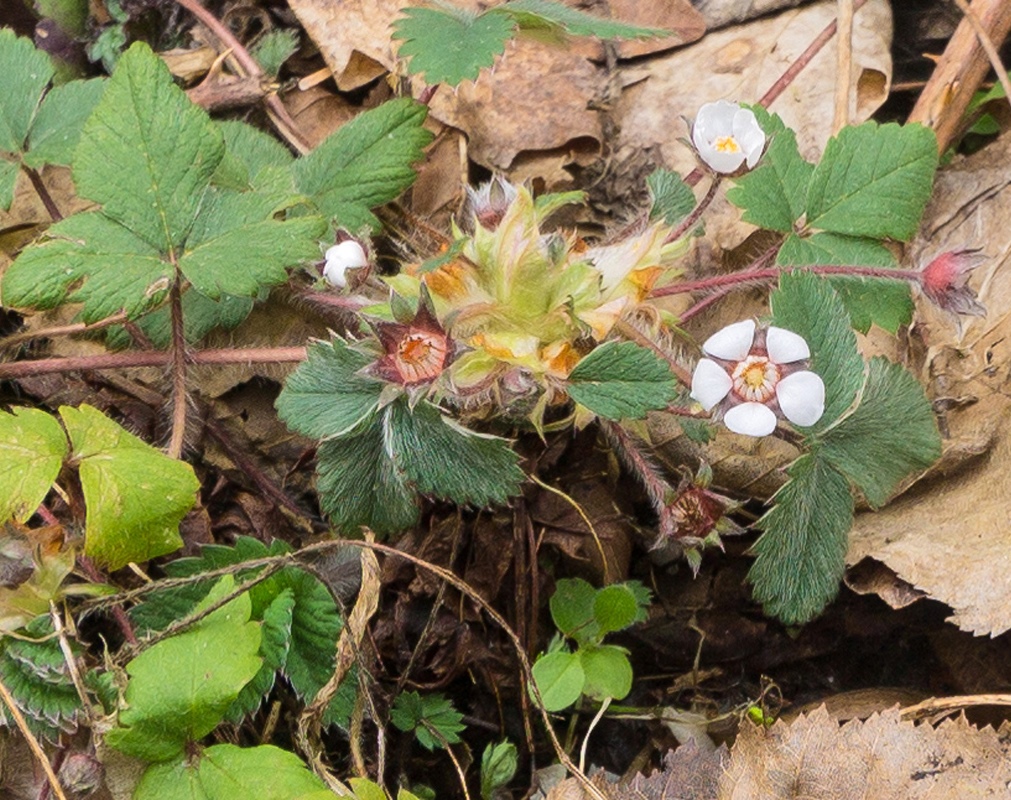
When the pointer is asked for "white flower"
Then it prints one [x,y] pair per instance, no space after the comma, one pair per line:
[340,258]
[727,135]
[758,375]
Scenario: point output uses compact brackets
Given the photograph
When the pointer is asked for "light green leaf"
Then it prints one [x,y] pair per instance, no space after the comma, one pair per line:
[498,767]
[879,301]
[572,607]
[26,72]
[32,449]
[442,458]
[560,678]
[57,127]
[449,45]
[889,436]
[245,259]
[810,307]
[180,689]
[873,180]
[120,272]
[147,153]
[326,396]
[227,772]
[673,199]
[773,195]
[365,163]
[615,608]
[135,495]
[8,179]
[801,556]
[622,380]
[359,484]
[607,670]
[550,14]
[274,48]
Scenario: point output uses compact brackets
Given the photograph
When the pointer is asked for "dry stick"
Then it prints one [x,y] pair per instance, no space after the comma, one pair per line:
[988,47]
[960,71]
[61,330]
[40,189]
[844,65]
[938,704]
[277,112]
[178,352]
[33,743]
[150,358]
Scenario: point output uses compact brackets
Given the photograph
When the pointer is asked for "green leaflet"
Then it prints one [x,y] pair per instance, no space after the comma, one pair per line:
[135,495]
[606,670]
[32,449]
[890,435]
[673,199]
[621,380]
[560,679]
[414,712]
[56,129]
[801,556]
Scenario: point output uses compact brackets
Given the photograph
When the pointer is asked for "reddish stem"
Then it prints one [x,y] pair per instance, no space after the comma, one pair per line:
[40,189]
[149,358]
[178,353]
[763,275]
[689,222]
[122,619]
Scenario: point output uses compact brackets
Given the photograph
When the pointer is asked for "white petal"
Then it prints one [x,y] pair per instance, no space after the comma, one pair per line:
[749,135]
[340,258]
[714,120]
[751,419]
[785,346]
[721,161]
[710,383]
[802,397]
[733,342]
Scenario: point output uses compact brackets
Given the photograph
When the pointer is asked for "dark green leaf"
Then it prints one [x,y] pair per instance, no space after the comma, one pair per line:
[773,195]
[274,646]
[26,72]
[801,555]
[809,306]
[550,14]
[622,380]
[274,48]
[366,163]
[572,606]
[8,179]
[673,199]
[892,433]
[57,127]
[449,45]
[442,458]
[147,153]
[873,180]
[249,151]
[421,714]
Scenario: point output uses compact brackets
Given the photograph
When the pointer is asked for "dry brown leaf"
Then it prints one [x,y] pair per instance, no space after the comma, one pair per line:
[883,758]
[950,537]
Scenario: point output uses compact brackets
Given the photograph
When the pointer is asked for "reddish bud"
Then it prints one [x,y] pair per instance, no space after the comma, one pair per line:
[945,281]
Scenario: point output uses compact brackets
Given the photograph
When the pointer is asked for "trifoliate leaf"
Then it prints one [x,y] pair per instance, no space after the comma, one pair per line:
[26,72]
[365,163]
[810,307]
[873,180]
[180,688]
[443,459]
[560,679]
[359,484]
[878,301]
[135,495]
[116,270]
[147,153]
[614,608]
[450,45]
[774,194]
[801,556]
[889,436]
[326,396]
[622,380]
[57,126]
[607,671]
[274,48]
[414,712]
[572,609]
[32,449]
[225,772]
[673,199]
[247,258]
[534,14]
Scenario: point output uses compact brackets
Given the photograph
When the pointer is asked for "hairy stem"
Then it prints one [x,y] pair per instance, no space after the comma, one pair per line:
[629,450]
[750,277]
[40,189]
[178,353]
[689,222]
[118,613]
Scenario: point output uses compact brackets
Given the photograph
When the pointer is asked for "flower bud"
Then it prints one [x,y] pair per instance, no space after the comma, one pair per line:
[340,258]
[945,281]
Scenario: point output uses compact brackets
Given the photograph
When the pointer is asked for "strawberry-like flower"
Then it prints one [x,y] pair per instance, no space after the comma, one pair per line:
[945,280]
[415,352]
[756,375]
[727,136]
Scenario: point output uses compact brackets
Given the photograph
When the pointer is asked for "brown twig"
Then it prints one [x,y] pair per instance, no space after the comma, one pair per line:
[33,743]
[988,47]
[150,358]
[61,330]
[40,189]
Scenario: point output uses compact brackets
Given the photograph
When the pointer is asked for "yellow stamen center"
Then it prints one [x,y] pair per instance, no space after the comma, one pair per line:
[755,378]
[727,144]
